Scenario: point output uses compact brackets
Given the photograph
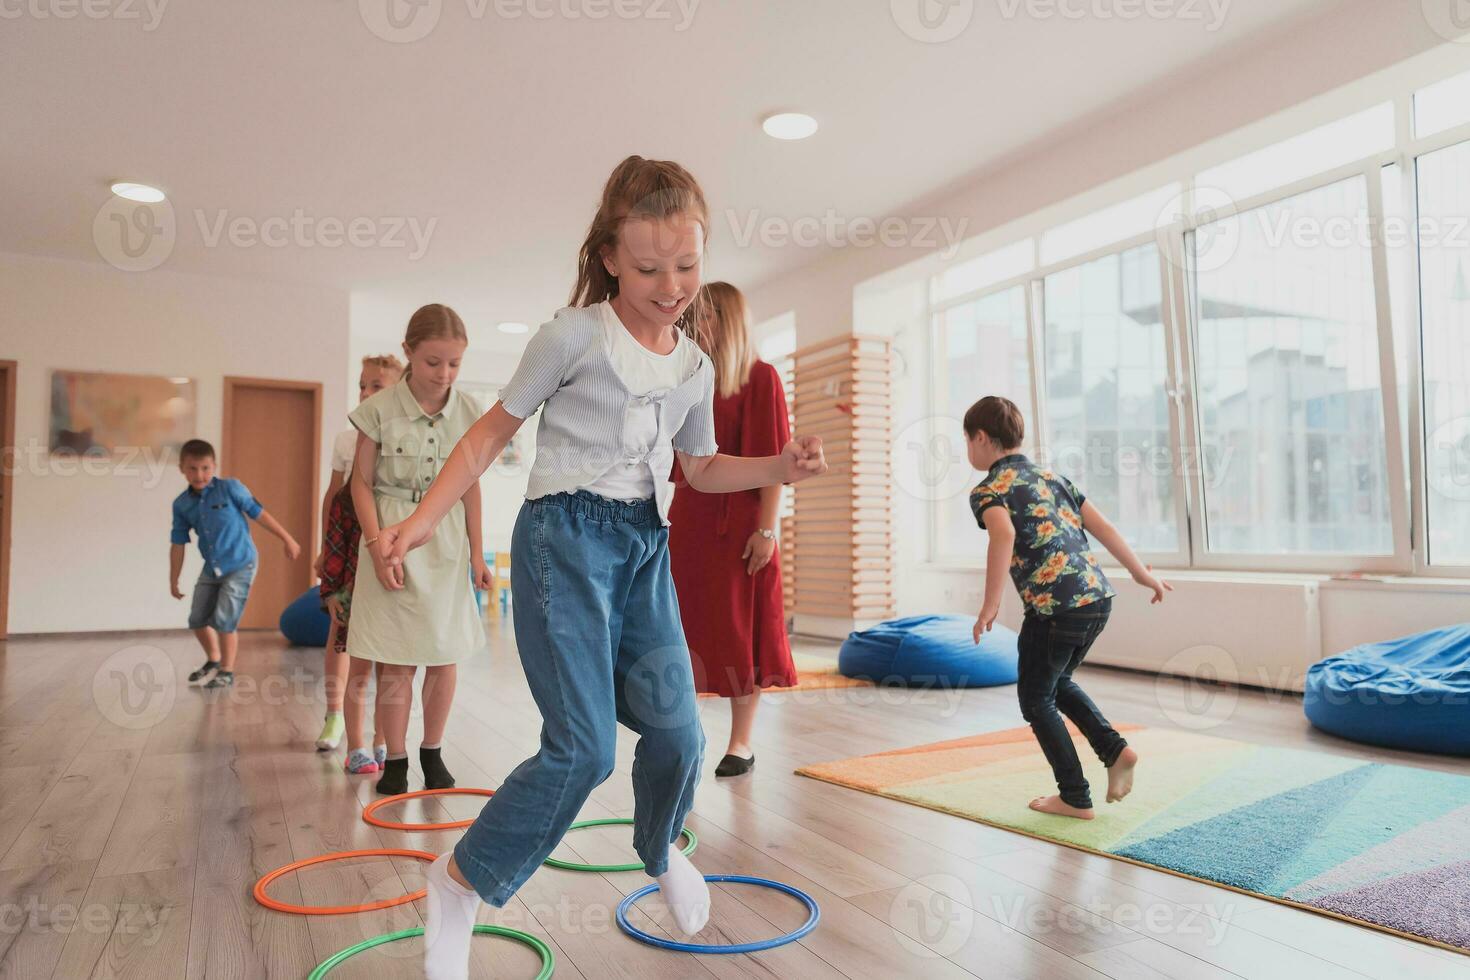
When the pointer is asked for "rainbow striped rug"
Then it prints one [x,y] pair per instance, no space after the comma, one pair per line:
[1379,845]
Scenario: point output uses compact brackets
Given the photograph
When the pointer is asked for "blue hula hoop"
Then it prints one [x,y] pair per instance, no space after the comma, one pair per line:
[790,937]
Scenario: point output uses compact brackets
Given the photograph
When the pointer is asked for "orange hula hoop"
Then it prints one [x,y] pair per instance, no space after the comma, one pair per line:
[369,812]
[387,903]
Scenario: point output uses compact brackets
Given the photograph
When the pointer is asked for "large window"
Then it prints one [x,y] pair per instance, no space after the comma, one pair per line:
[975,274]
[1444,260]
[980,349]
[1442,105]
[1333,145]
[1117,223]
[1291,410]
[1219,386]
[1106,408]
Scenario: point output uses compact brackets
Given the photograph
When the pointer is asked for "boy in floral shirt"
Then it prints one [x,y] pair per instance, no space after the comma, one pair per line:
[1038,524]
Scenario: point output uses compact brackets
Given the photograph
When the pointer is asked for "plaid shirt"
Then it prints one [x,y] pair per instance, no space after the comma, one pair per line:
[339,545]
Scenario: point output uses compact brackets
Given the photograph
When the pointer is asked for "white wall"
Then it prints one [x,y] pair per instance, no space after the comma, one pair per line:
[90,549]
[1265,630]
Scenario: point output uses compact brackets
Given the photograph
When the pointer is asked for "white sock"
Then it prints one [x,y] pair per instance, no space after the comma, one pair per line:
[685,892]
[449,925]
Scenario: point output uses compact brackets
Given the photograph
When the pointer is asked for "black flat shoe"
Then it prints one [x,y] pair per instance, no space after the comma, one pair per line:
[733,765]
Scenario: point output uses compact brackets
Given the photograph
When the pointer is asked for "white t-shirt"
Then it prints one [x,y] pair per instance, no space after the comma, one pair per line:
[344,450]
[642,371]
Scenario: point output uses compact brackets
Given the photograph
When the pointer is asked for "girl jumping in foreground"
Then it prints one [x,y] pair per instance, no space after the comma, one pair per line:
[623,390]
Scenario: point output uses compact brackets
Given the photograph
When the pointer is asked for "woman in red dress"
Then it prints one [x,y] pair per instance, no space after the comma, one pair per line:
[722,546]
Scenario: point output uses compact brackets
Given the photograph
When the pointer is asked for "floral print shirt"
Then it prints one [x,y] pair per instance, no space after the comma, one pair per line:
[1052,565]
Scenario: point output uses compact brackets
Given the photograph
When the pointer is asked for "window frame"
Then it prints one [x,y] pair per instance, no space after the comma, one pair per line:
[1399,561]
[1406,463]
[933,314]
[1408,159]
[1179,557]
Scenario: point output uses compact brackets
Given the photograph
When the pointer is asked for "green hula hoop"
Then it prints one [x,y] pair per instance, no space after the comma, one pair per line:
[548,959]
[635,866]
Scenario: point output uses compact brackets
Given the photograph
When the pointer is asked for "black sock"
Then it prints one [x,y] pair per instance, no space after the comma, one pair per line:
[395,777]
[435,775]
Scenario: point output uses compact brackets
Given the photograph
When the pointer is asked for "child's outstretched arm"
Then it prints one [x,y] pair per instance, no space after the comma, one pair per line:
[274,526]
[1095,524]
[476,534]
[472,455]
[364,472]
[175,566]
[1002,532]
[801,458]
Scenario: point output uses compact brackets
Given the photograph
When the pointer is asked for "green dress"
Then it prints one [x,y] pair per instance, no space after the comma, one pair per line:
[434,620]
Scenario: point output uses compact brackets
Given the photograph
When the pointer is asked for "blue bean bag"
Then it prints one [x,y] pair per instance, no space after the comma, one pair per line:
[930,651]
[304,622]
[1410,693]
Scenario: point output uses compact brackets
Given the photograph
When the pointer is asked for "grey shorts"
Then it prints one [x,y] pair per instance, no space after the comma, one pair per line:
[219,600]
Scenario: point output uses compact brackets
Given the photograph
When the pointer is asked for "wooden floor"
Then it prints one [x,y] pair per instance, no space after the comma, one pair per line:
[136,814]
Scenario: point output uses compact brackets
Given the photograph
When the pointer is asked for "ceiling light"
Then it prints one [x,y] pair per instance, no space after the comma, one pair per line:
[513,328]
[789,126]
[142,193]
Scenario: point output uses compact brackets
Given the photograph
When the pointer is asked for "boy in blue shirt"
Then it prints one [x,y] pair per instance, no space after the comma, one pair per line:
[1038,524]
[215,509]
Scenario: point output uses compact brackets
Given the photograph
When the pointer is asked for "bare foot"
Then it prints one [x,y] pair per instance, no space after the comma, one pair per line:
[1120,775]
[1054,804]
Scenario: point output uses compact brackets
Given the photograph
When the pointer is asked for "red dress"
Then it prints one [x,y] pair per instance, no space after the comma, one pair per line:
[734,622]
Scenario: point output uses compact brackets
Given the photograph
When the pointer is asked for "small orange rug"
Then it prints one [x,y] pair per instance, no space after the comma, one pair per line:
[813,674]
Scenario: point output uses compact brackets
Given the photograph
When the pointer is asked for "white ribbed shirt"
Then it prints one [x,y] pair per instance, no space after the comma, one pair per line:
[569,371]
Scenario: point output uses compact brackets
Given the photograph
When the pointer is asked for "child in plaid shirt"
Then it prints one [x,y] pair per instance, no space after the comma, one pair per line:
[336,566]
[1038,523]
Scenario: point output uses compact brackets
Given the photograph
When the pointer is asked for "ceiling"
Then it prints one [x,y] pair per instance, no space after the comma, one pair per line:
[493,133]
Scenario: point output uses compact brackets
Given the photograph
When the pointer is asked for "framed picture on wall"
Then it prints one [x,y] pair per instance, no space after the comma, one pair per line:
[116,415]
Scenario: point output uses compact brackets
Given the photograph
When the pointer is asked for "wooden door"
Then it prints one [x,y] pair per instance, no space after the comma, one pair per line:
[7,470]
[272,439]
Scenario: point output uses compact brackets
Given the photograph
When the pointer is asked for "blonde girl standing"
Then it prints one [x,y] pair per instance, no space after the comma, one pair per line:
[422,612]
[336,566]
[622,390]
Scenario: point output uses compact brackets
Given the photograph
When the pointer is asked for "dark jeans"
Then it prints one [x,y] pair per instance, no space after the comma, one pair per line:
[1050,648]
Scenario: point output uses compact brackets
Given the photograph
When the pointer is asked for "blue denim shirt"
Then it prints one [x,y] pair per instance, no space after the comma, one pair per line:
[217,514]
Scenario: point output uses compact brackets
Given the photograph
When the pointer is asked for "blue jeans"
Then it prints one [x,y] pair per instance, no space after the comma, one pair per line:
[219,600]
[1050,648]
[599,635]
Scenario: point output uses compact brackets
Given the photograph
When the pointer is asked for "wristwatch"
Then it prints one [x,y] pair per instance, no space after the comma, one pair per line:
[766,533]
